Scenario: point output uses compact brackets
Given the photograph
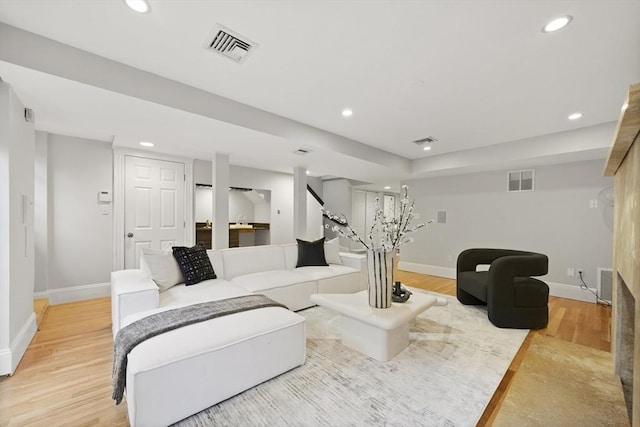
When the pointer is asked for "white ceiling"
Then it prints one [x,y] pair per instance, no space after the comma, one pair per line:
[470,74]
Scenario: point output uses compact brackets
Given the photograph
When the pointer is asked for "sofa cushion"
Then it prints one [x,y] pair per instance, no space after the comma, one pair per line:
[257,282]
[181,372]
[290,255]
[475,283]
[332,270]
[342,284]
[208,290]
[252,259]
[194,264]
[311,253]
[162,267]
[216,261]
[332,251]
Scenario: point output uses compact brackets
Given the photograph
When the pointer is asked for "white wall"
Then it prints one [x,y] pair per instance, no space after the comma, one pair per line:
[240,206]
[203,204]
[336,194]
[202,172]
[555,219]
[280,185]
[80,235]
[314,219]
[41,216]
[17,265]
[263,210]
[315,229]
[254,209]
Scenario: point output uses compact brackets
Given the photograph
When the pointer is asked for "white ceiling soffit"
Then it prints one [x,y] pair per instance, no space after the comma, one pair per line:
[472,74]
[35,52]
[70,108]
[588,143]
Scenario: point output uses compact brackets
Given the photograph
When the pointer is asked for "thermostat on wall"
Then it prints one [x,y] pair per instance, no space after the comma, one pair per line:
[104,196]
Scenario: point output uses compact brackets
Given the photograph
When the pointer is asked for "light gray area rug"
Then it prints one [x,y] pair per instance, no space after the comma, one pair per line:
[455,360]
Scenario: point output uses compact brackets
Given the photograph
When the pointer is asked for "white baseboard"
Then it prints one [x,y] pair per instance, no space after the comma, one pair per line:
[432,270]
[77,293]
[10,357]
[40,295]
[561,290]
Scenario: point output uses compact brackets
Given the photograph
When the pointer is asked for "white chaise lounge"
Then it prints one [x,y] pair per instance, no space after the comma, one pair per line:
[179,373]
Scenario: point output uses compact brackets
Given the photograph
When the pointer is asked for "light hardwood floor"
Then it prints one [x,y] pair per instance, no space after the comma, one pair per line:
[64,378]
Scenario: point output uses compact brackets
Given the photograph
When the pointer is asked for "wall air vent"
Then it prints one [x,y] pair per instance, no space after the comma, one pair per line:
[521,180]
[605,284]
[302,152]
[427,140]
[229,44]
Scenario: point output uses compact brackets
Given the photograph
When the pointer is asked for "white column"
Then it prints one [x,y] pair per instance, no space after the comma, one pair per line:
[220,181]
[300,202]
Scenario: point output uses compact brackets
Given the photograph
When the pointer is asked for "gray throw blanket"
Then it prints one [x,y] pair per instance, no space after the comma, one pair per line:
[156,324]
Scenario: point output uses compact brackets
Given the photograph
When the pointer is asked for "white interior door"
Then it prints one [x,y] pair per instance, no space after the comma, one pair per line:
[154,206]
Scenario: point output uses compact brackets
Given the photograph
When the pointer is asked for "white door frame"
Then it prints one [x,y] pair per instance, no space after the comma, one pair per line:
[119,155]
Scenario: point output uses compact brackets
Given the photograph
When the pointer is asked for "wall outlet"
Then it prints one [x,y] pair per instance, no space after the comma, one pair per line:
[571,272]
[449,257]
[593,204]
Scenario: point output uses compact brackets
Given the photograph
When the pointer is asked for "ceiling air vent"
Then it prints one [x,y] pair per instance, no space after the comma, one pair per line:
[427,140]
[229,44]
[302,151]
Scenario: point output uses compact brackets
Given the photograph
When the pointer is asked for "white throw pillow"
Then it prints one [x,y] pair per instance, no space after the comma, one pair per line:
[162,267]
[332,251]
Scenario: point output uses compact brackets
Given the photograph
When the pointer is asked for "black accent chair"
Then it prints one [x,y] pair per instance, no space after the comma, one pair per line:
[513,298]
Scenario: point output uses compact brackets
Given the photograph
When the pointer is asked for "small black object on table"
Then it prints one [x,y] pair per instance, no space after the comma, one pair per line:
[400,293]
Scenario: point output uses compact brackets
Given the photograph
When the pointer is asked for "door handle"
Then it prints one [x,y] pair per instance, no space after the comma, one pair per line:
[130,235]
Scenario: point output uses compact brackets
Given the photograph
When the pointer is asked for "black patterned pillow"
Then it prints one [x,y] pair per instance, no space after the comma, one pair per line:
[194,264]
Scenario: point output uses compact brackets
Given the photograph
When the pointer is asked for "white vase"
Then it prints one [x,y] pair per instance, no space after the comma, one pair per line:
[380,276]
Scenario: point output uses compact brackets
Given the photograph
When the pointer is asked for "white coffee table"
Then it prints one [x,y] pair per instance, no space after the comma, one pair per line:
[380,333]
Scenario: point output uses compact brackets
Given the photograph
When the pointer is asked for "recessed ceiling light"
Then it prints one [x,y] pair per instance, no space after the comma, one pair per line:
[146,144]
[347,112]
[427,148]
[557,24]
[140,6]
[387,188]
[574,116]
[308,172]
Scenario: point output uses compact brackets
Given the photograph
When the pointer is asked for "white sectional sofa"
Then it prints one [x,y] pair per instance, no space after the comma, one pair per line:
[176,374]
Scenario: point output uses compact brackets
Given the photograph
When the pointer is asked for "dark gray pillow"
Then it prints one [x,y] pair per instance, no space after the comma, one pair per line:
[311,253]
[194,264]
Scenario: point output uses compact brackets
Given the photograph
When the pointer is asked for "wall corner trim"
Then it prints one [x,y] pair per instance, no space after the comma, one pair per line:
[10,357]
